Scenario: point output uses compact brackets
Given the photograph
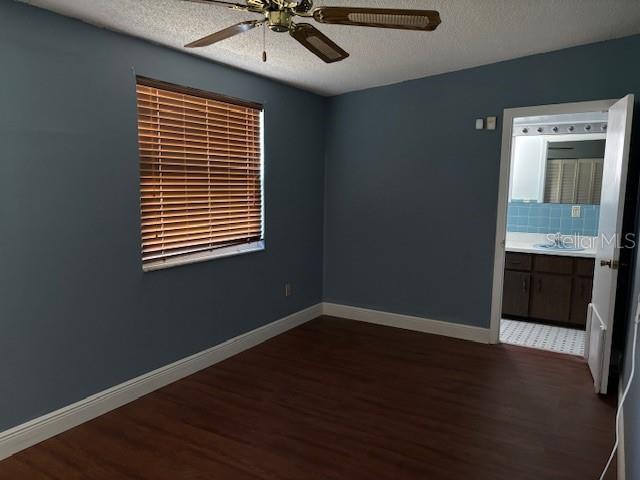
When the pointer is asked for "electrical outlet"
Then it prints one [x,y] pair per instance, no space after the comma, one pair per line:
[575,211]
[287,290]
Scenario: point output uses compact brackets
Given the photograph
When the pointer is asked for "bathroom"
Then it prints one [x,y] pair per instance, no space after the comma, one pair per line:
[552,227]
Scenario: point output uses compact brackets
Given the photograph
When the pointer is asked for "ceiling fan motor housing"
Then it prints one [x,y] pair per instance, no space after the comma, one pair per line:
[279,20]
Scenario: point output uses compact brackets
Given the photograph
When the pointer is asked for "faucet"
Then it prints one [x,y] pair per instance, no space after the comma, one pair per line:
[558,241]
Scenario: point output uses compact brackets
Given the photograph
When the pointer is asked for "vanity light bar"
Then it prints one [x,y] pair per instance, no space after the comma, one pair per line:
[559,129]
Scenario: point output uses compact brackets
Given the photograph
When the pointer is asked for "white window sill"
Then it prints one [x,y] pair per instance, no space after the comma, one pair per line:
[204,256]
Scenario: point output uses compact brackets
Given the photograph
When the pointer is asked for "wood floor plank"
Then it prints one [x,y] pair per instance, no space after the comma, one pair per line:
[336,399]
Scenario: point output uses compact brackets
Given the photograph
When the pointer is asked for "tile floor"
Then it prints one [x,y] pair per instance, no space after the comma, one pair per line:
[543,337]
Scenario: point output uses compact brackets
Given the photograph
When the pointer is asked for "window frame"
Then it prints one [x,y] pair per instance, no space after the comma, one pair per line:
[214,253]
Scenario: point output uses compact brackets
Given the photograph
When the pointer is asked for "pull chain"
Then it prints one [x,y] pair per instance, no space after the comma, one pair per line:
[264,42]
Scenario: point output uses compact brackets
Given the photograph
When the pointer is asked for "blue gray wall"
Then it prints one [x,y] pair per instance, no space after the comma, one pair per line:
[77,313]
[411,187]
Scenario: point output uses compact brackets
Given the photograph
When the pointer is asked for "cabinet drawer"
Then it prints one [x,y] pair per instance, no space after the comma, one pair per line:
[553,264]
[584,267]
[517,261]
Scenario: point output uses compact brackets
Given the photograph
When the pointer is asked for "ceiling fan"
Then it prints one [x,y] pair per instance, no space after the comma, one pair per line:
[279,16]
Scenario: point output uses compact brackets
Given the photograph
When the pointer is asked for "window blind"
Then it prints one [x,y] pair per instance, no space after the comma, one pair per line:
[589,181]
[573,181]
[200,171]
[553,181]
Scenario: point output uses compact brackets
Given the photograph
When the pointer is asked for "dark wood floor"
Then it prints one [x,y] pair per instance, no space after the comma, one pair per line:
[336,399]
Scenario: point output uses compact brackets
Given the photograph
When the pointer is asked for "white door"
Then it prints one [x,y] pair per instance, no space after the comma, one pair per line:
[605,279]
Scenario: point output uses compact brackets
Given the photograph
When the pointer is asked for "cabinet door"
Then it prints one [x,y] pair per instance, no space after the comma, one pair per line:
[551,297]
[515,293]
[580,299]
[584,267]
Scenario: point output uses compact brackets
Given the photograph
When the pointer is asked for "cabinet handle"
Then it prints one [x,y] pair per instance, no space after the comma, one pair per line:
[524,284]
[539,285]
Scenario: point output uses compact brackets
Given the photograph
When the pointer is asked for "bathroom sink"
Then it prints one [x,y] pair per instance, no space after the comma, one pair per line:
[563,247]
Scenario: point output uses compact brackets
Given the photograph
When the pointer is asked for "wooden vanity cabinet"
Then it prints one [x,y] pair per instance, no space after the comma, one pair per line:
[515,297]
[580,299]
[551,297]
[549,288]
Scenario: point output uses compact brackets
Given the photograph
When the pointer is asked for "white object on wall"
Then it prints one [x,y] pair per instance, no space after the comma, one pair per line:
[527,169]
[576,211]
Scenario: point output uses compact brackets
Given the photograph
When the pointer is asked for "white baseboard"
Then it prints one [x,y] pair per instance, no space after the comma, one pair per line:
[44,427]
[419,324]
[54,423]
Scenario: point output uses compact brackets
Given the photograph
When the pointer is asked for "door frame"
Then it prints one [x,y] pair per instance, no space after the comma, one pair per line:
[503,191]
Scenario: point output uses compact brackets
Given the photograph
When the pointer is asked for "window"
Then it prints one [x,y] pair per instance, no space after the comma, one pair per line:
[200,175]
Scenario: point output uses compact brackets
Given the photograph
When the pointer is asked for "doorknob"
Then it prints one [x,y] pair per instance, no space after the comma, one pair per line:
[612,264]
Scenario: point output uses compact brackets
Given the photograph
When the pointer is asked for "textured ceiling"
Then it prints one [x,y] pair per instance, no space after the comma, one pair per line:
[473,32]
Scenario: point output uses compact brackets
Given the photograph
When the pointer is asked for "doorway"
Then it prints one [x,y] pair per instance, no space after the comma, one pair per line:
[559,222]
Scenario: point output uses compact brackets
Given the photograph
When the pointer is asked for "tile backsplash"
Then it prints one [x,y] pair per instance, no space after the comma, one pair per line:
[532,217]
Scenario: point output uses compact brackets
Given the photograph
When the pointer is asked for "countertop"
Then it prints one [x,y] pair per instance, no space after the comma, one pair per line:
[524,243]
[529,248]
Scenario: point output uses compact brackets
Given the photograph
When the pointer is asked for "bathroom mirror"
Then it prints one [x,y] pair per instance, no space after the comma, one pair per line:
[573,172]
[555,184]
[548,169]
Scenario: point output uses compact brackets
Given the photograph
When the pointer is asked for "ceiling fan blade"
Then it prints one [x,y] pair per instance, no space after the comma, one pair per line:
[426,20]
[318,43]
[224,34]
